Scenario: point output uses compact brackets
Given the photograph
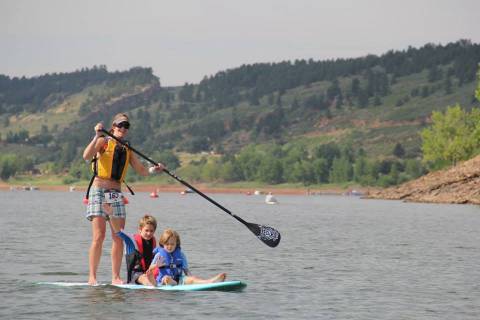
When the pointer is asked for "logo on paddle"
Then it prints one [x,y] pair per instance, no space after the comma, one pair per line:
[269,234]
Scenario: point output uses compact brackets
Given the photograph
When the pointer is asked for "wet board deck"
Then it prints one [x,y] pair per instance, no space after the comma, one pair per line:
[217,286]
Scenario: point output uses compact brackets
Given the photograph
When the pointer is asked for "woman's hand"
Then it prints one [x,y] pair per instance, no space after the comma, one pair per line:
[156,169]
[98,129]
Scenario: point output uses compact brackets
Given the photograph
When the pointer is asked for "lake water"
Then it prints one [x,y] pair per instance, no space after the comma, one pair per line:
[339,258]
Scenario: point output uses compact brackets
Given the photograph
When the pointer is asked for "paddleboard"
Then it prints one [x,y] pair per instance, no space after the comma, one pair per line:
[217,286]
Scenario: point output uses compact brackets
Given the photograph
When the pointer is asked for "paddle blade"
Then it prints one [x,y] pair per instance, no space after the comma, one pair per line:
[267,235]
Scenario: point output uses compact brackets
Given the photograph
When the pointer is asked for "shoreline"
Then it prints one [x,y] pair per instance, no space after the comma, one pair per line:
[201,187]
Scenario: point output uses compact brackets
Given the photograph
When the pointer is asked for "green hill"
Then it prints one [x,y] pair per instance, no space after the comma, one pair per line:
[363,106]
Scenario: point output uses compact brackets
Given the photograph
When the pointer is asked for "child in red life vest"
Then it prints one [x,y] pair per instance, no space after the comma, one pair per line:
[138,248]
[172,263]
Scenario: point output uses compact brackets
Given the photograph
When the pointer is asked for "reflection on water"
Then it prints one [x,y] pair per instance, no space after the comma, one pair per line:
[339,258]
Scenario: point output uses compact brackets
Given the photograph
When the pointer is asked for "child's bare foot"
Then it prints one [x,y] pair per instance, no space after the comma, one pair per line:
[219,277]
[168,281]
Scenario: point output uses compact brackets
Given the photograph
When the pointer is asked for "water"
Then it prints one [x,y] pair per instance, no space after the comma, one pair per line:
[339,258]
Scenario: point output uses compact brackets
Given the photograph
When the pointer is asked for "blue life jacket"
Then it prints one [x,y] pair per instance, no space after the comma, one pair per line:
[174,263]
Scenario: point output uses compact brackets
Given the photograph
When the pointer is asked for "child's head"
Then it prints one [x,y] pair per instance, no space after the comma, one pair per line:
[169,240]
[147,226]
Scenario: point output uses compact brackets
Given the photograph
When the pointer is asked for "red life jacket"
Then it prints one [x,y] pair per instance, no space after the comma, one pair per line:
[138,240]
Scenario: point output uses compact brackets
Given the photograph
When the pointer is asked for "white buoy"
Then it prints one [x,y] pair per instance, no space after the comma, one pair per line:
[270,199]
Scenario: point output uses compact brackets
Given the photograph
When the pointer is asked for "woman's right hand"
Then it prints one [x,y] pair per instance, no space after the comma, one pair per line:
[98,129]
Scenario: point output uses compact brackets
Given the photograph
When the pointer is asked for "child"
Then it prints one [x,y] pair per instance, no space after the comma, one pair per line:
[172,263]
[138,248]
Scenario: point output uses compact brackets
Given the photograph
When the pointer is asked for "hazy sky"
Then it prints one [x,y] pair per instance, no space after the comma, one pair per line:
[184,40]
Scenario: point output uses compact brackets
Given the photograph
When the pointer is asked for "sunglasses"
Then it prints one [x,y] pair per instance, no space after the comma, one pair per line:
[123,124]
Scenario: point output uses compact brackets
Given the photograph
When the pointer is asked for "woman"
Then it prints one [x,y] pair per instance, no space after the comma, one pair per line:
[110,163]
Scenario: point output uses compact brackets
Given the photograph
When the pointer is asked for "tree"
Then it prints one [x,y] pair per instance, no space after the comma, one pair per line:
[169,159]
[341,170]
[477,92]
[355,87]
[453,136]
[399,151]
[448,85]
[320,168]
[359,169]
[270,170]
[8,166]
[413,168]
[362,99]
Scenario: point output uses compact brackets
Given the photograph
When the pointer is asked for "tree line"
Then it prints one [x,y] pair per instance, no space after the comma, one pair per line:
[38,93]
[249,82]
[323,164]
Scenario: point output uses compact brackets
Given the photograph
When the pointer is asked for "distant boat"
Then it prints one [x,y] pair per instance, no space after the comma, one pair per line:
[353,193]
[184,192]
[71,189]
[29,188]
[153,194]
[270,199]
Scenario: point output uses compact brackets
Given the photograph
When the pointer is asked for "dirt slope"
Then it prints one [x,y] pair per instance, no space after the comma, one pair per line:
[457,184]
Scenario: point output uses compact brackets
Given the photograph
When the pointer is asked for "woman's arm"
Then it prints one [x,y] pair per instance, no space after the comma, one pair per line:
[138,166]
[94,146]
[141,169]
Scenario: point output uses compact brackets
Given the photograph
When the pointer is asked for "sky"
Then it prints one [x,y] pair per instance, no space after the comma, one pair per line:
[186,40]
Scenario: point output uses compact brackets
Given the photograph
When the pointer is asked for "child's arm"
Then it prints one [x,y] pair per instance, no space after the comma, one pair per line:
[107,207]
[157,261]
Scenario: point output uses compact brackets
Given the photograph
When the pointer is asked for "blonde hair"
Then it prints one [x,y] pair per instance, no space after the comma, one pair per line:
[167,235]
[147,219]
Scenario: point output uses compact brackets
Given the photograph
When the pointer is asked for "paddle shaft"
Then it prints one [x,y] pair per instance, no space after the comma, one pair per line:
[177,178]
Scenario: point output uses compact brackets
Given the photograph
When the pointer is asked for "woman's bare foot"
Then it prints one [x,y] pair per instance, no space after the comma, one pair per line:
[117,281]
[92,281]
[219,277]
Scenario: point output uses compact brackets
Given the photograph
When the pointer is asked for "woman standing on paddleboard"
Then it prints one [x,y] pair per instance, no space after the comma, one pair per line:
[110,161]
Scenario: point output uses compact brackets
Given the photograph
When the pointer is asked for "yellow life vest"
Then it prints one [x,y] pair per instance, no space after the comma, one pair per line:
[113,161]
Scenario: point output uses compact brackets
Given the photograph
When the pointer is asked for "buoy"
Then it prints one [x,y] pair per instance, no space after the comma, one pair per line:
[153,194]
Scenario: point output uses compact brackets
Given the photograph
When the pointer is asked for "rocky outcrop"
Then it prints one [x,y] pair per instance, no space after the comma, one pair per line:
[457,184]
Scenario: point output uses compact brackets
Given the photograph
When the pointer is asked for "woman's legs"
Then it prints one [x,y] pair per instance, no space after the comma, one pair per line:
[117,253]
[95,252]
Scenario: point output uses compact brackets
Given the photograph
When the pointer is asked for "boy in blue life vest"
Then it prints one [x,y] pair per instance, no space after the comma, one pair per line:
[138,248]
[172,263]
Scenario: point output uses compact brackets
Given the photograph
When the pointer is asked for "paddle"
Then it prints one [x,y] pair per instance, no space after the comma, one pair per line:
[267,235]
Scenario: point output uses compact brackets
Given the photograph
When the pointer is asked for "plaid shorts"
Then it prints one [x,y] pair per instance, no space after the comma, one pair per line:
[96,199]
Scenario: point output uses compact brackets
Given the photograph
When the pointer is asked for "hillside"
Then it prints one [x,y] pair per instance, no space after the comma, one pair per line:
[364,107]
[458,184]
